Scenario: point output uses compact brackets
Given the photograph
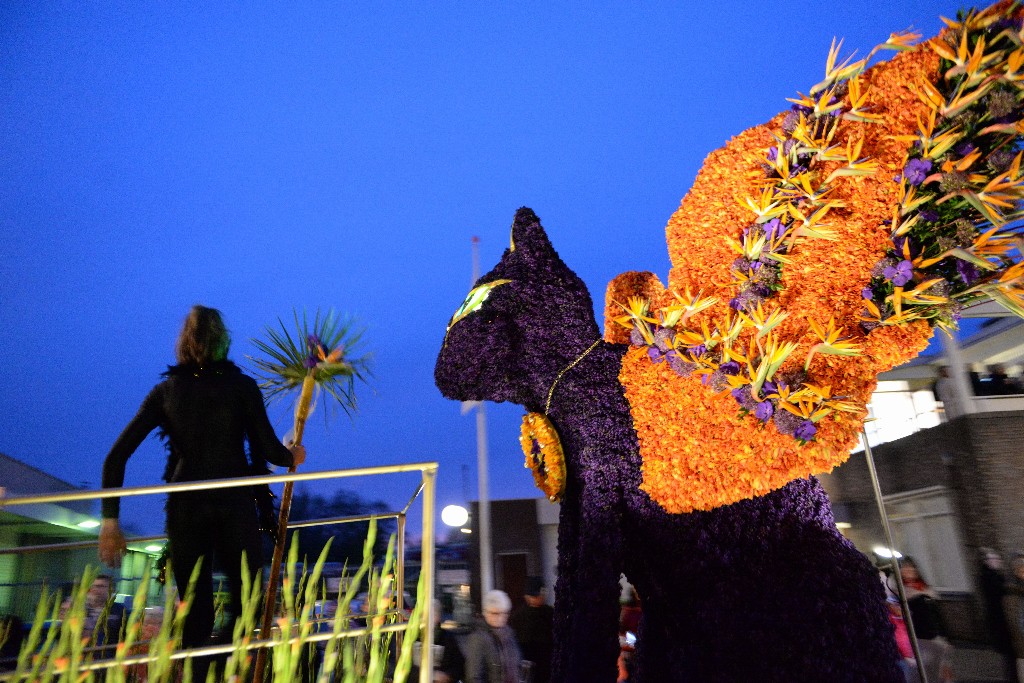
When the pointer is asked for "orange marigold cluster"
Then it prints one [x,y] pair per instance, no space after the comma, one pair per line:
[544,454]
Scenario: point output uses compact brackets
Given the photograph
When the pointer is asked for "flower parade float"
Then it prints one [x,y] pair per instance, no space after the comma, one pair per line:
[812,253]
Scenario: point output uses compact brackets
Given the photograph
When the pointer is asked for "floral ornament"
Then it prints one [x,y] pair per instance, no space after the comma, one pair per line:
[953,233]
[820,232]
[797,194]
[475,299]
[325,361]
[751,375]
[544,454]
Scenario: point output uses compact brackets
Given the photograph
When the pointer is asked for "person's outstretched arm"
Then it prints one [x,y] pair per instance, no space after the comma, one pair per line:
[112,543]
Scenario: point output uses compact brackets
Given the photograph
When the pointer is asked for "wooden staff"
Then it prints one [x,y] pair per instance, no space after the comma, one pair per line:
[269,605]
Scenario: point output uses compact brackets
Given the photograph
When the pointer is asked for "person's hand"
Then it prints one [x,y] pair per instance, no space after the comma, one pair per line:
[298,453]
[112,543]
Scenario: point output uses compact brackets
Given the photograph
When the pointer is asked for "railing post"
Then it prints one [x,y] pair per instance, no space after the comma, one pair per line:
[400,578]
[427,571]
[904,605]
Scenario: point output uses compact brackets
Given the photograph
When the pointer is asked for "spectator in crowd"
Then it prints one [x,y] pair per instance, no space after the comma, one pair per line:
[999,384]
[492,654]
[449,663]
[533,625]
[924,614]
[629,627]
[1013,608]
[907,663]
[12,634]
[992,582]
[104,618]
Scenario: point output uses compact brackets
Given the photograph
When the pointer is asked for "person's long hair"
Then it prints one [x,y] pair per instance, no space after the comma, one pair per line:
[203,338]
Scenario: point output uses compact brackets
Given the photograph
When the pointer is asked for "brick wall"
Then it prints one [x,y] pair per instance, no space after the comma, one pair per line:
[979,458]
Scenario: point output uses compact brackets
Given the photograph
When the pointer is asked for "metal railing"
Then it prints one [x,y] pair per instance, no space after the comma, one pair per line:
[426,489]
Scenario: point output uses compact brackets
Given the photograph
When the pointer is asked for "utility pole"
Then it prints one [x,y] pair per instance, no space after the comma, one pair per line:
[484,523]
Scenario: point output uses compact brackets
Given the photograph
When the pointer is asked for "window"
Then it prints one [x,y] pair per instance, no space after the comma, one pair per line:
[925,527]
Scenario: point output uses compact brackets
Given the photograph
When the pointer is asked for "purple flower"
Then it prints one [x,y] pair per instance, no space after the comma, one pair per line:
[678,365]
[901,274]
[311,361]
[1001,159]
[805,431]
[790,122]
[663,337]
[698,350]
[773,153]
[867,293]
[904,242]
[743,397]
[773,229]
[929,215]
[764,411]
[730,368]
[313,341]
[656,354]
[917,170]
[968,272]
[635,338]
[786,422]
[965,148]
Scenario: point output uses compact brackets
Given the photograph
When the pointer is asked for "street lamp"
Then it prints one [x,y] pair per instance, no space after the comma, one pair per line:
[455,515]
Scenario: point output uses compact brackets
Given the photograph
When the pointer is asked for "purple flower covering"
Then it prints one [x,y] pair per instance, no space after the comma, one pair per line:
[786,422]
[774,229]
[764,411]
[680,366]
[730,368]
[965,147]
[805,431]
[968,272]
[917,170]
[900,274]
[771,576]
[743,397]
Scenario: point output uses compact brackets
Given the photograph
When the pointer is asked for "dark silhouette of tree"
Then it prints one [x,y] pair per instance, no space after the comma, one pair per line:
[349,536]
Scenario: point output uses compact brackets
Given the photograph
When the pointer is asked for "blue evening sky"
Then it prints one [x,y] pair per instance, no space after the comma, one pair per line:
[257,157]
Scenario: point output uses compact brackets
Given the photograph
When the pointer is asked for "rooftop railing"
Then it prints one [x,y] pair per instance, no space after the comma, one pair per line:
[426,491]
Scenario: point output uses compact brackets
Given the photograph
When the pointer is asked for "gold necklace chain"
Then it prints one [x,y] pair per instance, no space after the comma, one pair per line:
[570,366]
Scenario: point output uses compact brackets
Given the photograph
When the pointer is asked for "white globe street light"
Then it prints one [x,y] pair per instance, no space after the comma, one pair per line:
[454,515]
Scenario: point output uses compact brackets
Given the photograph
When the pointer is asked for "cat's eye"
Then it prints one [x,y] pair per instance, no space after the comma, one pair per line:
[476,298]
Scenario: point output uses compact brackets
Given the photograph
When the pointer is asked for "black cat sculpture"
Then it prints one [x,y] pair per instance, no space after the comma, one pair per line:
[764,589]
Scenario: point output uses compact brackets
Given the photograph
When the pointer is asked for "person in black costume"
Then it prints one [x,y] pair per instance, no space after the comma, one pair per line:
[207,410]
[533,624]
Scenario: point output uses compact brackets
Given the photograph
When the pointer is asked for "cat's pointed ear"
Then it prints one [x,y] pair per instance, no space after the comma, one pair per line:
[528,237]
